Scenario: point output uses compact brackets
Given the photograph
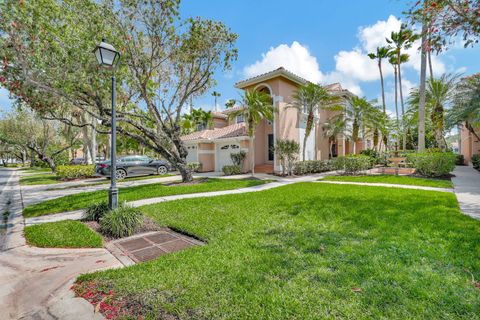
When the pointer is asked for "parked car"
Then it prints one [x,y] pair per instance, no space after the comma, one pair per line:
[78,161]
[131,166]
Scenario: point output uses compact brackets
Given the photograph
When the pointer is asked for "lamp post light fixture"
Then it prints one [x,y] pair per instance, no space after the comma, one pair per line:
[108,57]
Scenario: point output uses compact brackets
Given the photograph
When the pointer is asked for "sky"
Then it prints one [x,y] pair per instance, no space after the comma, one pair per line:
[322,41]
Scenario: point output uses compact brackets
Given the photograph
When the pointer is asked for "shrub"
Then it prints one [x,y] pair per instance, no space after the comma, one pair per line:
[476,161]
[231,170]
[96,211]
[287,152]
[194,166]
[432,164]
[375,157]
[75,172]
[460,160]
[312,166]
[352,164]
[238,158]
[121,222]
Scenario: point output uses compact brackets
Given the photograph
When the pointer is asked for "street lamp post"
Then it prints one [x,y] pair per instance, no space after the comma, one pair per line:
[107,56]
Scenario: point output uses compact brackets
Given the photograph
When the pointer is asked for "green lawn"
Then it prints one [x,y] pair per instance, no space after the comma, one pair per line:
[84,199]
[35,169]
[36,179]
[393,179]
[311,251]
[62,234]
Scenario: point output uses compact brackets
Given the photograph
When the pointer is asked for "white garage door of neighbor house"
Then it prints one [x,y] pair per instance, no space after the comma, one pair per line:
[192,154]
[223,153]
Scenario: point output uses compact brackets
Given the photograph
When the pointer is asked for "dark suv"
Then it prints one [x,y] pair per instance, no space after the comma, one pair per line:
[131,166]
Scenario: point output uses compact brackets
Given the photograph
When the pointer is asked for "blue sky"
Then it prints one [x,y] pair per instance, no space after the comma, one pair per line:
[323,41]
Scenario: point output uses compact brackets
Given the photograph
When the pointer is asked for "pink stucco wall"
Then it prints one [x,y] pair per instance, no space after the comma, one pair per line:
[469,144]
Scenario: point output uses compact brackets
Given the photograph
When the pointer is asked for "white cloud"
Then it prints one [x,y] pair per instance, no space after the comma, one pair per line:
[295,58]
[352,67]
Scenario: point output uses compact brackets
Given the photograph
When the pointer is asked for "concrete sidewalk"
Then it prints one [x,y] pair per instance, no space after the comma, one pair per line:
[35,282]
[467,189]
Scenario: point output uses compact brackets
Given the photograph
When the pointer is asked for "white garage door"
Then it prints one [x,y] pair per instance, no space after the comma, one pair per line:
[223,154]
[192,154]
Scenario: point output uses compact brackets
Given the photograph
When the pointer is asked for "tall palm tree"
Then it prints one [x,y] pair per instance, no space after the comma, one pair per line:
[382,53]
[439,93]
[334,127]
[215,95]
[310,99]
[257,106]
[401,40]
[393,62]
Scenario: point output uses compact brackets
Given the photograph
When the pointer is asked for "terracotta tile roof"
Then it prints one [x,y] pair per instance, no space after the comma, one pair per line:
[265,76]
[231,131]
[219,114]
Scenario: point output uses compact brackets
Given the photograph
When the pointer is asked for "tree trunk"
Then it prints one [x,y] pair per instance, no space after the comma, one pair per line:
[404,138]
[305,137]
[430,64]
[252,146]
[421,105]
[396,92]
[94,142]
[382,84]
[185,172]
[49,161]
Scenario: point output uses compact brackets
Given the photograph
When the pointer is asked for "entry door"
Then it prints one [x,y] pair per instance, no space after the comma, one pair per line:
[270,147]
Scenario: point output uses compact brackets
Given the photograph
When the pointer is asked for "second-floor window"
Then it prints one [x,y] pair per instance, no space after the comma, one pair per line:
[240,118]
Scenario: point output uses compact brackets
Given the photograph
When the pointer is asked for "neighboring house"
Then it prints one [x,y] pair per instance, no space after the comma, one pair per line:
[469,143]
[212,148]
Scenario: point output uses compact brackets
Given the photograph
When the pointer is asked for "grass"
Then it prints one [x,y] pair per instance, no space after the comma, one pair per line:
[62,234]
[34,169]
[36,179]
[84,199]
[310,251]
[393,179]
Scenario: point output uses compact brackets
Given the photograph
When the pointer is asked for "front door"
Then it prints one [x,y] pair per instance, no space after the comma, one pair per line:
[270,147]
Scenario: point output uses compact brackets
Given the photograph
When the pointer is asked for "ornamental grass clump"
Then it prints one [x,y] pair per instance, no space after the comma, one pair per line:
[96,211]
[121,222]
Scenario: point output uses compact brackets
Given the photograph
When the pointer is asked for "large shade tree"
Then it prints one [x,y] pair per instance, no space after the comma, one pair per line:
[46,139]
[46,48]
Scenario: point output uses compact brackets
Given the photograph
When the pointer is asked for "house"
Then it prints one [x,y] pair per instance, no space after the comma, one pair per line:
[212,148]
[469,143]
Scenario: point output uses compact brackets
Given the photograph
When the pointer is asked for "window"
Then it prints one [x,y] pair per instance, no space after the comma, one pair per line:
[240,118]
[234,146]
[225,147]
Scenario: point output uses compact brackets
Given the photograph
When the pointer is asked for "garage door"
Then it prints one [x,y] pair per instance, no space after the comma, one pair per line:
[192,154]
[223,152]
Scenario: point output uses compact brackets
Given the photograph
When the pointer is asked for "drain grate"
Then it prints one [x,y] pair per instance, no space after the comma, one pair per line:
[151,245]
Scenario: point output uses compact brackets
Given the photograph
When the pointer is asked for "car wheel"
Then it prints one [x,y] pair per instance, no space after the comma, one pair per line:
[162,170]
[120,174]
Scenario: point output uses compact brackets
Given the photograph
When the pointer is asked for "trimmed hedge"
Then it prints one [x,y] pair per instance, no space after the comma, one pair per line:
[476,161]
[75,172]
[433,164]
[194,166]
[231,170]
[312,166]
[352,164]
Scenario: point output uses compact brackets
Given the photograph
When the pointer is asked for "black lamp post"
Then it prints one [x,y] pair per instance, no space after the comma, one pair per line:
[107,56]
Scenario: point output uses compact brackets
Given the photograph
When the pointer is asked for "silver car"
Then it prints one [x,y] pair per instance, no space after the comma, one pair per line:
[132,166]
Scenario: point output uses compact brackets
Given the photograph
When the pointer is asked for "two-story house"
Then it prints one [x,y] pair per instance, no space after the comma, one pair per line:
[212,148]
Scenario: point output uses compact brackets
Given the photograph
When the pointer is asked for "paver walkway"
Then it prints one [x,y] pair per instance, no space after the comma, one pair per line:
[35,282]
[467,189]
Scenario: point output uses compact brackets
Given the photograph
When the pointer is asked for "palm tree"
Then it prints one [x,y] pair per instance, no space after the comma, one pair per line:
[216,94]
[257,106]
[401,40]
[377,124]
[382,53]
[334,127]
[439,93]
[393,62]
[310,99]
[466,105]
[358,113]
[198,119]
